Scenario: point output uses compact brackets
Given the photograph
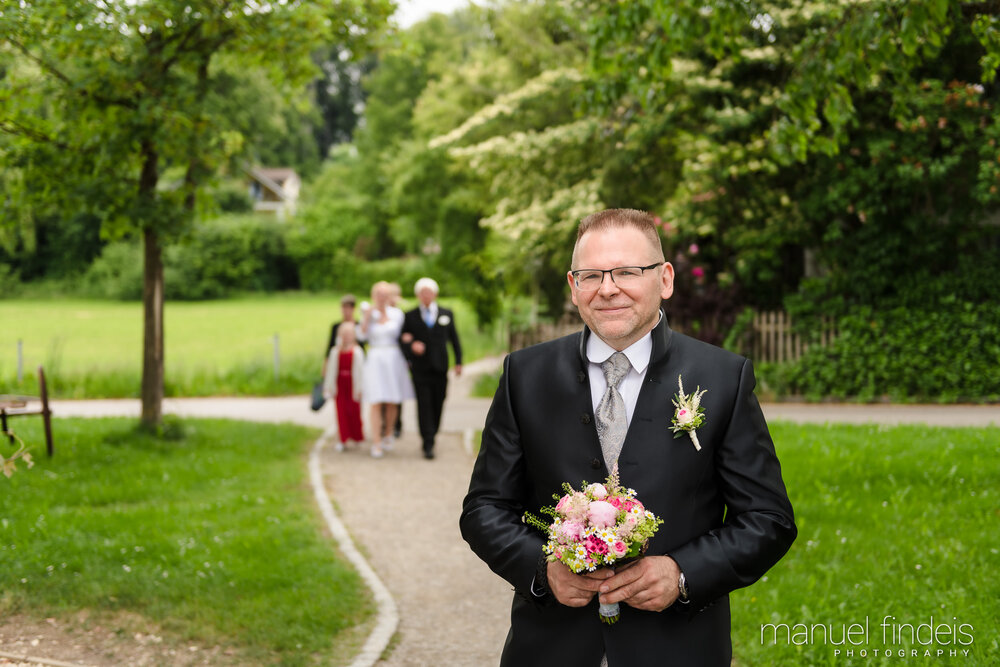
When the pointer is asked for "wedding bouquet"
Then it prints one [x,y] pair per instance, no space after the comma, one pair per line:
[601,525]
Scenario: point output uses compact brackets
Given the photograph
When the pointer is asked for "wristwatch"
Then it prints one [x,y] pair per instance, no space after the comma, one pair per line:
[682,588]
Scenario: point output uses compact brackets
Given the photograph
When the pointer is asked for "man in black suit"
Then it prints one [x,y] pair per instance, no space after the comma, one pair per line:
[427,330]
[727,517]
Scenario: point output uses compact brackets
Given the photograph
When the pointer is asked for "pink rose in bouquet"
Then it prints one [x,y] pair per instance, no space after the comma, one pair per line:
[597,491]
[571,530]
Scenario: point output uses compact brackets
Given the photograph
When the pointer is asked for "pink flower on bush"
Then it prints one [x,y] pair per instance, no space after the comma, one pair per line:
[602,514]
[619,549]
[693,248]
[698,272]
[597,491]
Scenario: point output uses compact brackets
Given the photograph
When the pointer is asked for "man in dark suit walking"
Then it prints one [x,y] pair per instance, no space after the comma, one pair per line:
[574,408]
[427,330]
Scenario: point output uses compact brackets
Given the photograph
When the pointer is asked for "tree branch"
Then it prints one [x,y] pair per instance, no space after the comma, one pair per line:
[69,83]
[14,127]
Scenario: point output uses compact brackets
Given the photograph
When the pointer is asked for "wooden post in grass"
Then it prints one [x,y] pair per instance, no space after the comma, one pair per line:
[277,358]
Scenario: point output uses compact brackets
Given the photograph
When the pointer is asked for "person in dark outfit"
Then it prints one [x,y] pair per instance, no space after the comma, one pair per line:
[427,330]
[576,408]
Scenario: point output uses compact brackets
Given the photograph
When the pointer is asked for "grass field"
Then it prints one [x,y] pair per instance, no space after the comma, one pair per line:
[209,536]
[897,522]
[93,349]
[214,537]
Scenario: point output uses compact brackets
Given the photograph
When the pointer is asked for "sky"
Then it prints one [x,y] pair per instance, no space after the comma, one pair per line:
[411,11]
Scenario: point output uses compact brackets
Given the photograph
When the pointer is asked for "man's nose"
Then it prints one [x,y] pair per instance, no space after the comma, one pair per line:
[608,285]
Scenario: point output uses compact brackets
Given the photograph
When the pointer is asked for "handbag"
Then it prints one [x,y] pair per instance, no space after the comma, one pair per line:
[317,400]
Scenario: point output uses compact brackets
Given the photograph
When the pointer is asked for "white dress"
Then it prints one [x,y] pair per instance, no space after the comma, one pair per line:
[386,377]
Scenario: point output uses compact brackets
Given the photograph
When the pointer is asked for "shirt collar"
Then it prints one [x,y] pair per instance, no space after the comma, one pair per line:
[638,353]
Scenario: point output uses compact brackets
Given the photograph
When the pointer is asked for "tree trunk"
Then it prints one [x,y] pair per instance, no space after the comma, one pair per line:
[152,300]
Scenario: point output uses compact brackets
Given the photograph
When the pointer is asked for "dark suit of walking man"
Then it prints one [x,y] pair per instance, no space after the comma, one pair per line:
[427,330]
[727,515]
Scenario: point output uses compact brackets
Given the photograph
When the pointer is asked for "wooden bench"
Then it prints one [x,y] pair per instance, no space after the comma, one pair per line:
[20,406]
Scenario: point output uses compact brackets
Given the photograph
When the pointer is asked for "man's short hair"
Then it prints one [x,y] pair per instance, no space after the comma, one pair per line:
[426,283]
[347,300]
[619,218]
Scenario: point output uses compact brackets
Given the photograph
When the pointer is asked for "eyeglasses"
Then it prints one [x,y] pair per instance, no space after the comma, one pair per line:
[588,280]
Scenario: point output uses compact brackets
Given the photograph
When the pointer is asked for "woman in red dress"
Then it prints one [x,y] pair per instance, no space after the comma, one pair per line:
[343,384]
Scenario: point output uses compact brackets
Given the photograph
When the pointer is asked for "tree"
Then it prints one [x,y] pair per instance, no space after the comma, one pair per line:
[106,99]
[842,140]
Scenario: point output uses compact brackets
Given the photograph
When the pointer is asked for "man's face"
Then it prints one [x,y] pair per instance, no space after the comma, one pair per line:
[347,311]
[426,296]
[619,316]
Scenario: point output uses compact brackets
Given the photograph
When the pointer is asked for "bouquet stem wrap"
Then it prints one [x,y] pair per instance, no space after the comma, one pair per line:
[610,613]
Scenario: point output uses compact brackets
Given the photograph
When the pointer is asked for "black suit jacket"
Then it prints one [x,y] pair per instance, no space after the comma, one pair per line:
[435,357]
[727,515]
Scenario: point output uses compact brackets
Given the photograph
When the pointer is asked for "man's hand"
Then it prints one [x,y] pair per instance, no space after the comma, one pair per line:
[418,347]
[458,369]
[650,584]
[574,590]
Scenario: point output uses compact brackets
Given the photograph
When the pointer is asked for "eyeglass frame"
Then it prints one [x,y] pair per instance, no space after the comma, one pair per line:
[642,271]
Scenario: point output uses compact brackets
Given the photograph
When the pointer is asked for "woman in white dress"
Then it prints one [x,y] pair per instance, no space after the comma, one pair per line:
[386,376]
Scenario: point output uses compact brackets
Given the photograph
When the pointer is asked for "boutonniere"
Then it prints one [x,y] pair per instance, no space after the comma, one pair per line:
[689,415]
[444,320]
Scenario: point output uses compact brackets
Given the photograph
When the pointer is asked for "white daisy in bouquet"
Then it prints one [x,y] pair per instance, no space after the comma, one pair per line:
[602,525]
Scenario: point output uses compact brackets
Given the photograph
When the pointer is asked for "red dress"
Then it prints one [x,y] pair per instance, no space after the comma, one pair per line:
[348,410]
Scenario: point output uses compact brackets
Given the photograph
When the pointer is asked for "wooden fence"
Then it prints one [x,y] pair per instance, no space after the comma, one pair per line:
[770,338]
[773,339]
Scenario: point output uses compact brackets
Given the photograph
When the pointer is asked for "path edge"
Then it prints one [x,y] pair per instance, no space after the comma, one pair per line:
[388,617]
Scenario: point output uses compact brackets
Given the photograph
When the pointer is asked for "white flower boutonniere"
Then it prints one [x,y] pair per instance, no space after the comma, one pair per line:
[444,320]
[689,415]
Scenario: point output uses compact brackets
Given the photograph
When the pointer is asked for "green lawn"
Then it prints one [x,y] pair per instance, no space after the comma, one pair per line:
[93,349]
[899,522]
[215,537]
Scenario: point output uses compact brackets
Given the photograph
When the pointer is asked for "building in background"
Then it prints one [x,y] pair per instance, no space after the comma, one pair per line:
[274,190]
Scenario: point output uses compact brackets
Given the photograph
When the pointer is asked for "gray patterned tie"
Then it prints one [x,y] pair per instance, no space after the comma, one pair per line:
[612,424]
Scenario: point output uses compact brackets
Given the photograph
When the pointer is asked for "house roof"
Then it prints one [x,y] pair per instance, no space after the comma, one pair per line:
[273,178]
[277,174]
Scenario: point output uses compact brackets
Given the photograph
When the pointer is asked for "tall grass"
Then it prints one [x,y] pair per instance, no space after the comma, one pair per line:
[213,536]
[893,521]
[93,349]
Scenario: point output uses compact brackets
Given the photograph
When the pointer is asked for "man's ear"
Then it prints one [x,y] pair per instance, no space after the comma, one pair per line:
[667,287]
